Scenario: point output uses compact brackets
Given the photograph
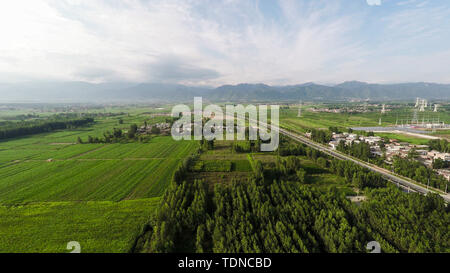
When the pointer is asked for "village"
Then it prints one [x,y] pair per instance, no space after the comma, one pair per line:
[392,147]
[159,128]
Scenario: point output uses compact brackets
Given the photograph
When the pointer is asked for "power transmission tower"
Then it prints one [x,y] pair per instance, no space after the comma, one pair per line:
[423,105]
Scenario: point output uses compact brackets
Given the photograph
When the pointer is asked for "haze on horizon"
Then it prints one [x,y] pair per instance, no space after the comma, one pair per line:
[211,42]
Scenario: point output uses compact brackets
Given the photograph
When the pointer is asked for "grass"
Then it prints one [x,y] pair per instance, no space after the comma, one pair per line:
[242,166]
[161,147]
[97,194]
[404,138]
[97,226]
[309,119]
[75,180]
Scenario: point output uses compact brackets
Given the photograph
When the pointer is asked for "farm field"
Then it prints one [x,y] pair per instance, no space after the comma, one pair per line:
[288,117]
[98,226]
[78,180]
[223,165]
[309,119]
[162,147]
[442,134]
[404,138]
[53,190]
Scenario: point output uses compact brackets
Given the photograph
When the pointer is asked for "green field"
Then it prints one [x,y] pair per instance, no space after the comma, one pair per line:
[309,119]
[163,147]
[53,190]
[97,226]
[404,138]
[112,180]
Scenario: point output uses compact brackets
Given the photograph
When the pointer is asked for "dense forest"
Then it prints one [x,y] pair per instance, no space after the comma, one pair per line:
[277,210]
[290,217]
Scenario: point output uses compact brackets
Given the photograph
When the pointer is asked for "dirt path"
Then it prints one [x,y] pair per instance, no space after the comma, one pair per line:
[88,152]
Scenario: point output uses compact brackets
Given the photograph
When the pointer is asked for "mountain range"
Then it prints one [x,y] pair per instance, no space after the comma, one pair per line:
[161,92]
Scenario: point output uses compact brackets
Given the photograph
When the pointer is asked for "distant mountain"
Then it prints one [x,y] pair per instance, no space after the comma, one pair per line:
[343,91]
[104,92]
[395,91]
[159,92]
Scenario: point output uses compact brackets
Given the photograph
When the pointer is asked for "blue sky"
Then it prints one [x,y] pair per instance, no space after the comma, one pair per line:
[211,42]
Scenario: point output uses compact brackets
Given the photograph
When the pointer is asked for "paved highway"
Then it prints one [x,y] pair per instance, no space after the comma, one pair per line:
[402,182]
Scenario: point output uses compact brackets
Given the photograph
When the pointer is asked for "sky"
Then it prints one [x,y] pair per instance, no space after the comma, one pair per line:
[211,42]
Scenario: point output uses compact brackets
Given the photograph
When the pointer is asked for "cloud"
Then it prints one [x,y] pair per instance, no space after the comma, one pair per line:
[216,42]
[374,2]
[172,69]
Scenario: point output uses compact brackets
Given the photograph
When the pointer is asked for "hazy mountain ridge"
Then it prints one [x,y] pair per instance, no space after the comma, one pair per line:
[82,91]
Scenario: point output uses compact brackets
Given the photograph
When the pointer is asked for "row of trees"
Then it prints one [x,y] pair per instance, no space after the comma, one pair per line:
[321,136]
[359,176]
[117,135]
[18,129]
[360,150]
[415,170]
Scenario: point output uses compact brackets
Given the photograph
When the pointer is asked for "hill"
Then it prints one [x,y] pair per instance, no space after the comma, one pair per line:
[123,92]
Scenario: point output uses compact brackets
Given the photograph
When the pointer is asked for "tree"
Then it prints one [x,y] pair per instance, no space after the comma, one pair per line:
[155,130]
[117,133]
[132,131]
[79,141]
[301,175]
[412,154]
[322,162]
[440,164]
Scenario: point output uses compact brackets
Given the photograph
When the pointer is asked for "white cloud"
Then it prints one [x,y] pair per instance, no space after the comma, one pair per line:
[192,42]
[374,2]
[163,40]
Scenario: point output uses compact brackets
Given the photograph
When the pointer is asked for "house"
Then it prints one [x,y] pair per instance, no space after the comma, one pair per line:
[445,173]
